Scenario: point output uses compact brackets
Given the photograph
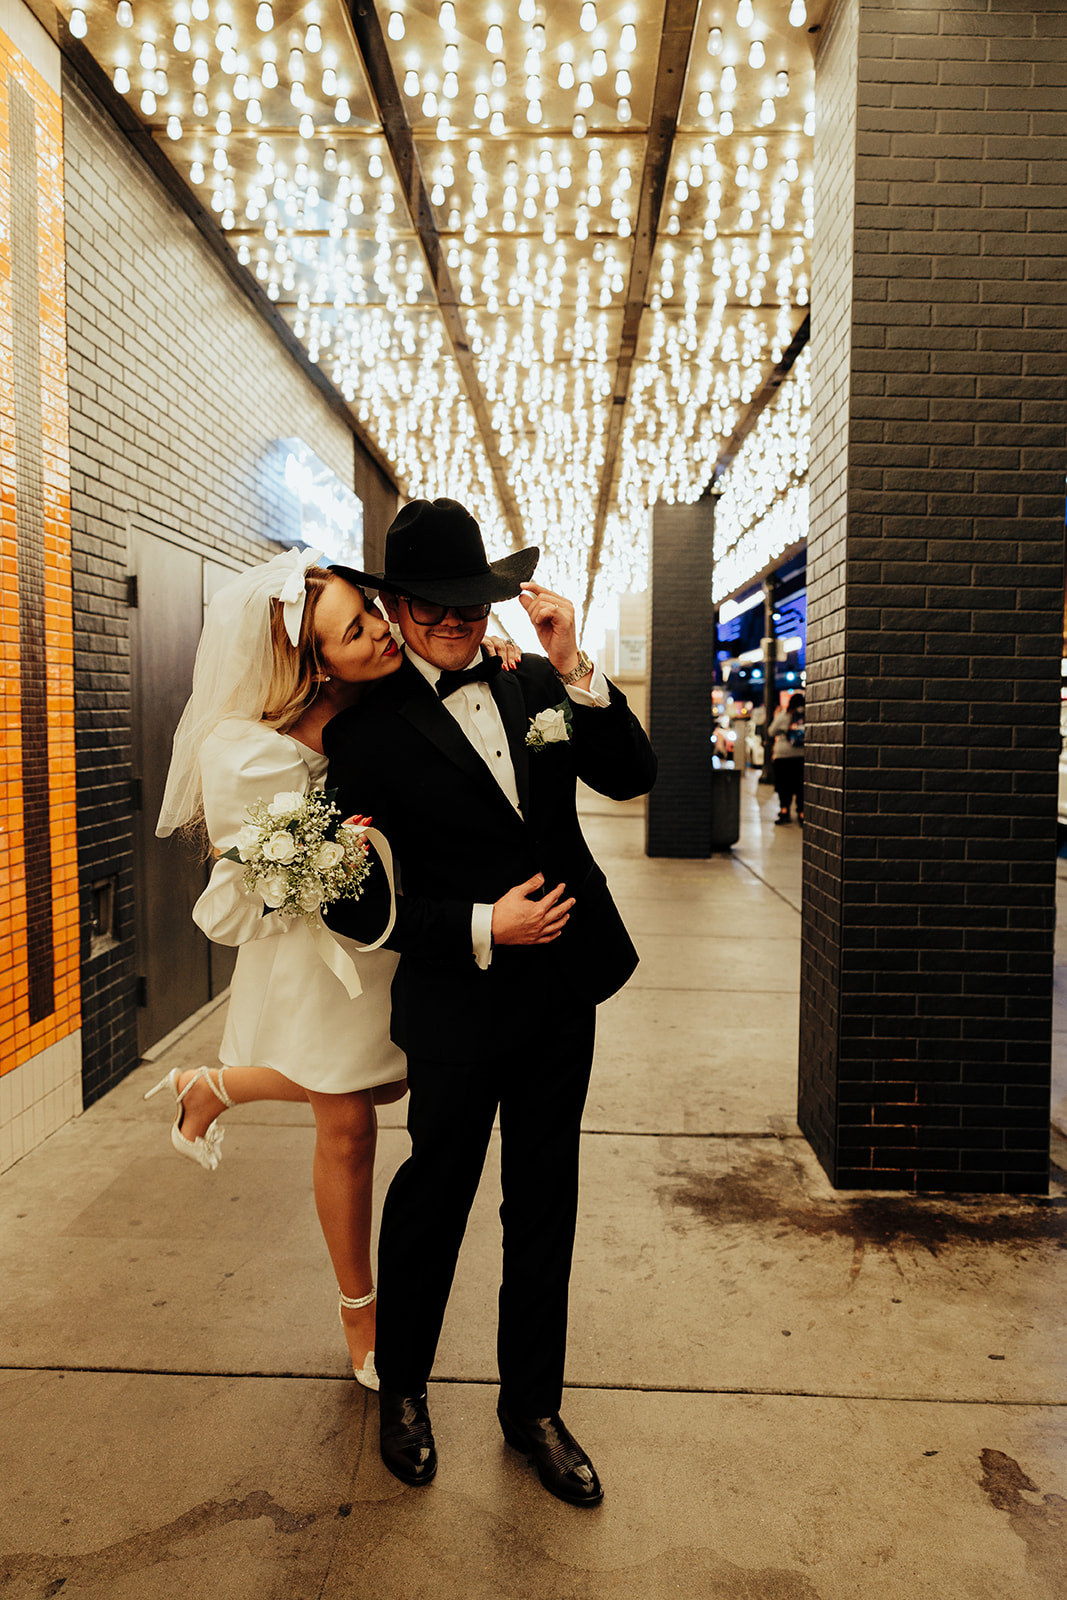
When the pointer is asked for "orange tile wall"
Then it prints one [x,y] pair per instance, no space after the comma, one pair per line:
[19,1039]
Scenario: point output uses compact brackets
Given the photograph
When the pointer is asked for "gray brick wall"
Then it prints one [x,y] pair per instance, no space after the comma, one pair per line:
[941,628]
[177,391]
[681,678]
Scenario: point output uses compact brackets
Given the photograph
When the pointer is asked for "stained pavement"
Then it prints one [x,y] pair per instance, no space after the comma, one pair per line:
[791,1393]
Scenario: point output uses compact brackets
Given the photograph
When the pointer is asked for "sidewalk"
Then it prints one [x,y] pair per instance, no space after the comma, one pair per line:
[790,1393]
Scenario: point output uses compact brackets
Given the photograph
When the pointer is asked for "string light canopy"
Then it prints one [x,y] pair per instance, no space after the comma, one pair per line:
[547,252]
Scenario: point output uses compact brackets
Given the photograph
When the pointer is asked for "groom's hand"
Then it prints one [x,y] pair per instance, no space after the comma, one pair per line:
[518,919]
[553,617]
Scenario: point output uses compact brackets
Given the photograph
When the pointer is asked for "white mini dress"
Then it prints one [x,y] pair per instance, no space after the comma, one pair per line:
[287,1009]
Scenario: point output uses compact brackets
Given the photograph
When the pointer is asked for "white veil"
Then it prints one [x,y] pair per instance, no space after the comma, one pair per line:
[232,673]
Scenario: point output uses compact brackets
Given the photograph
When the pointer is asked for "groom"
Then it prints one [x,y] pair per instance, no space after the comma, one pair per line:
[509,939]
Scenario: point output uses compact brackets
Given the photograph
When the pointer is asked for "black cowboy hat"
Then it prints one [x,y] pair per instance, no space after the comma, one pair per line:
[434,551]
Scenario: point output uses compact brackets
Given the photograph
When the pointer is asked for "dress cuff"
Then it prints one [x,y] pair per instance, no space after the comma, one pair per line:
[597,694]
[482,935]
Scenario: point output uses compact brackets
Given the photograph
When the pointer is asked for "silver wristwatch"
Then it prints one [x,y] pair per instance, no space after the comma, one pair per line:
[585,664]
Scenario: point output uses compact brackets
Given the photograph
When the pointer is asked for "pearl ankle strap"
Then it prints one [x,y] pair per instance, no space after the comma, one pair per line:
[357,1305]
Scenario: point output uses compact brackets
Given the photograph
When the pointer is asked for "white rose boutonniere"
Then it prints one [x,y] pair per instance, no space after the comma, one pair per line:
[552,726]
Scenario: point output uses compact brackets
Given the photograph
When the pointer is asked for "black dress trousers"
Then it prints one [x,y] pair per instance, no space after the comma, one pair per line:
[538,1077]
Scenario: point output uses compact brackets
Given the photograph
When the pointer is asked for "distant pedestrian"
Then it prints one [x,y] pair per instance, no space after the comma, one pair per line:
[787,757]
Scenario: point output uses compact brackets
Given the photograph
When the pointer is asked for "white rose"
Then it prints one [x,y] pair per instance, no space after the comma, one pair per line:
[285,803]
[281,847]
[552,726]
[247,842]
[272,889]
[328,855]
[310,898]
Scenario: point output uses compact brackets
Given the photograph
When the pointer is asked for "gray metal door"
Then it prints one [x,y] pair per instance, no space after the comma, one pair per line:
[178,969]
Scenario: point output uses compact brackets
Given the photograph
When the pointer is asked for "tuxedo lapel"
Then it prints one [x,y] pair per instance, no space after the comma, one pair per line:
[510,702]
[424,711]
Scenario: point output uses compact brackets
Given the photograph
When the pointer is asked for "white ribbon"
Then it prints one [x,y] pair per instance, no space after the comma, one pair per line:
[293,566]
[337,959]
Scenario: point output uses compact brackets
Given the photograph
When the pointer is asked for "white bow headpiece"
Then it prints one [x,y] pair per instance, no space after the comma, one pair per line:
[292,566]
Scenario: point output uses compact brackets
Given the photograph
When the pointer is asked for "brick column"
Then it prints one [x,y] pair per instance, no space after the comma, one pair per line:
[681,663]
[935,593]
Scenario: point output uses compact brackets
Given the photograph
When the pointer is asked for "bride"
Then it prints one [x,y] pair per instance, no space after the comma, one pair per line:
[285,647]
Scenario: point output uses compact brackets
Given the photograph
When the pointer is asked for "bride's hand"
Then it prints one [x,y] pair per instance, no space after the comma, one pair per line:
[508,651]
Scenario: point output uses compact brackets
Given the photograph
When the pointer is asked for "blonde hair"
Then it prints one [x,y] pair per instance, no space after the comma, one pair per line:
[296,669]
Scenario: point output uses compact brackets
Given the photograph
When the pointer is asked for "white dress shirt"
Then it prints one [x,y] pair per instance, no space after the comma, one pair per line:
[475,710]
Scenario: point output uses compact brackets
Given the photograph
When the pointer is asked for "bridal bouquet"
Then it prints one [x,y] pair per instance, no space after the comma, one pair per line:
[297,856]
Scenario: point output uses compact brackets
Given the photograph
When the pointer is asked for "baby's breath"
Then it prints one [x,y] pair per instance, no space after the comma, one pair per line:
[297,856]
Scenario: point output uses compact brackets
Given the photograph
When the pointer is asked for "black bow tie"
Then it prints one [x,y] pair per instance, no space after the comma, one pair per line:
[481,672]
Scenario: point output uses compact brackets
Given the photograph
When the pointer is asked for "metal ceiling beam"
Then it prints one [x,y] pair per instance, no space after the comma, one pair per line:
[763,395]
[370,40]
[679,21]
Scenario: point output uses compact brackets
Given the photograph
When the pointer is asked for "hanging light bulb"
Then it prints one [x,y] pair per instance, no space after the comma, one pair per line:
[223,124]
[253,111]
[264,16]
[498,76]
[745,15]
[579,127]
[313,38]
[124,14]
[200,106]
[781,83]
[715,42]
[443,129]
[726,124]
[628,39]
[623,110]
[527,10]
[306,126]
[182,41]
[329,83]
[494,40]
[446,17]
[296,65]
[759,157]
[706,105]
[450,87]
[342,111]
[481,106]
[585,95]
[622,82]
[374,166]
[728,80]
[757,55]
[148,103]
[196,172]
[78,25]
[148,54]
[497,125]
[269,75]
[121,80]
[768,111]
[588,19]
[429,104]
[411,83]
[600,63]
[566,75]
[798,13]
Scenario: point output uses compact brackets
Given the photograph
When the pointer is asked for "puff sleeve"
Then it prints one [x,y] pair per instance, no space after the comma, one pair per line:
[241,762]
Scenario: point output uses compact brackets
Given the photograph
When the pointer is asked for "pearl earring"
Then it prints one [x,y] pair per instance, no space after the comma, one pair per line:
[322,677]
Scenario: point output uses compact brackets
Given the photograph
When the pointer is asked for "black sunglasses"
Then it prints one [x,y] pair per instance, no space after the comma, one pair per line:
[428,615]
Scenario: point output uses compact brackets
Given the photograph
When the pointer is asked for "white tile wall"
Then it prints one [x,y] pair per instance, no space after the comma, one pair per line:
[39,1097]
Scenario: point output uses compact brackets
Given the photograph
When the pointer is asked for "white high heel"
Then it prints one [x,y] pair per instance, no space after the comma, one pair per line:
[366,1375]
[204,1150]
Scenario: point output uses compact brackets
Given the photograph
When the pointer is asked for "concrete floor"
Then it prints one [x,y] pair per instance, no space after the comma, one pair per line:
[791,1393]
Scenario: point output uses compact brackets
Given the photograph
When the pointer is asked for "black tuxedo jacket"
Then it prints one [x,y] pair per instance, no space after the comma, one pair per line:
[401,758]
